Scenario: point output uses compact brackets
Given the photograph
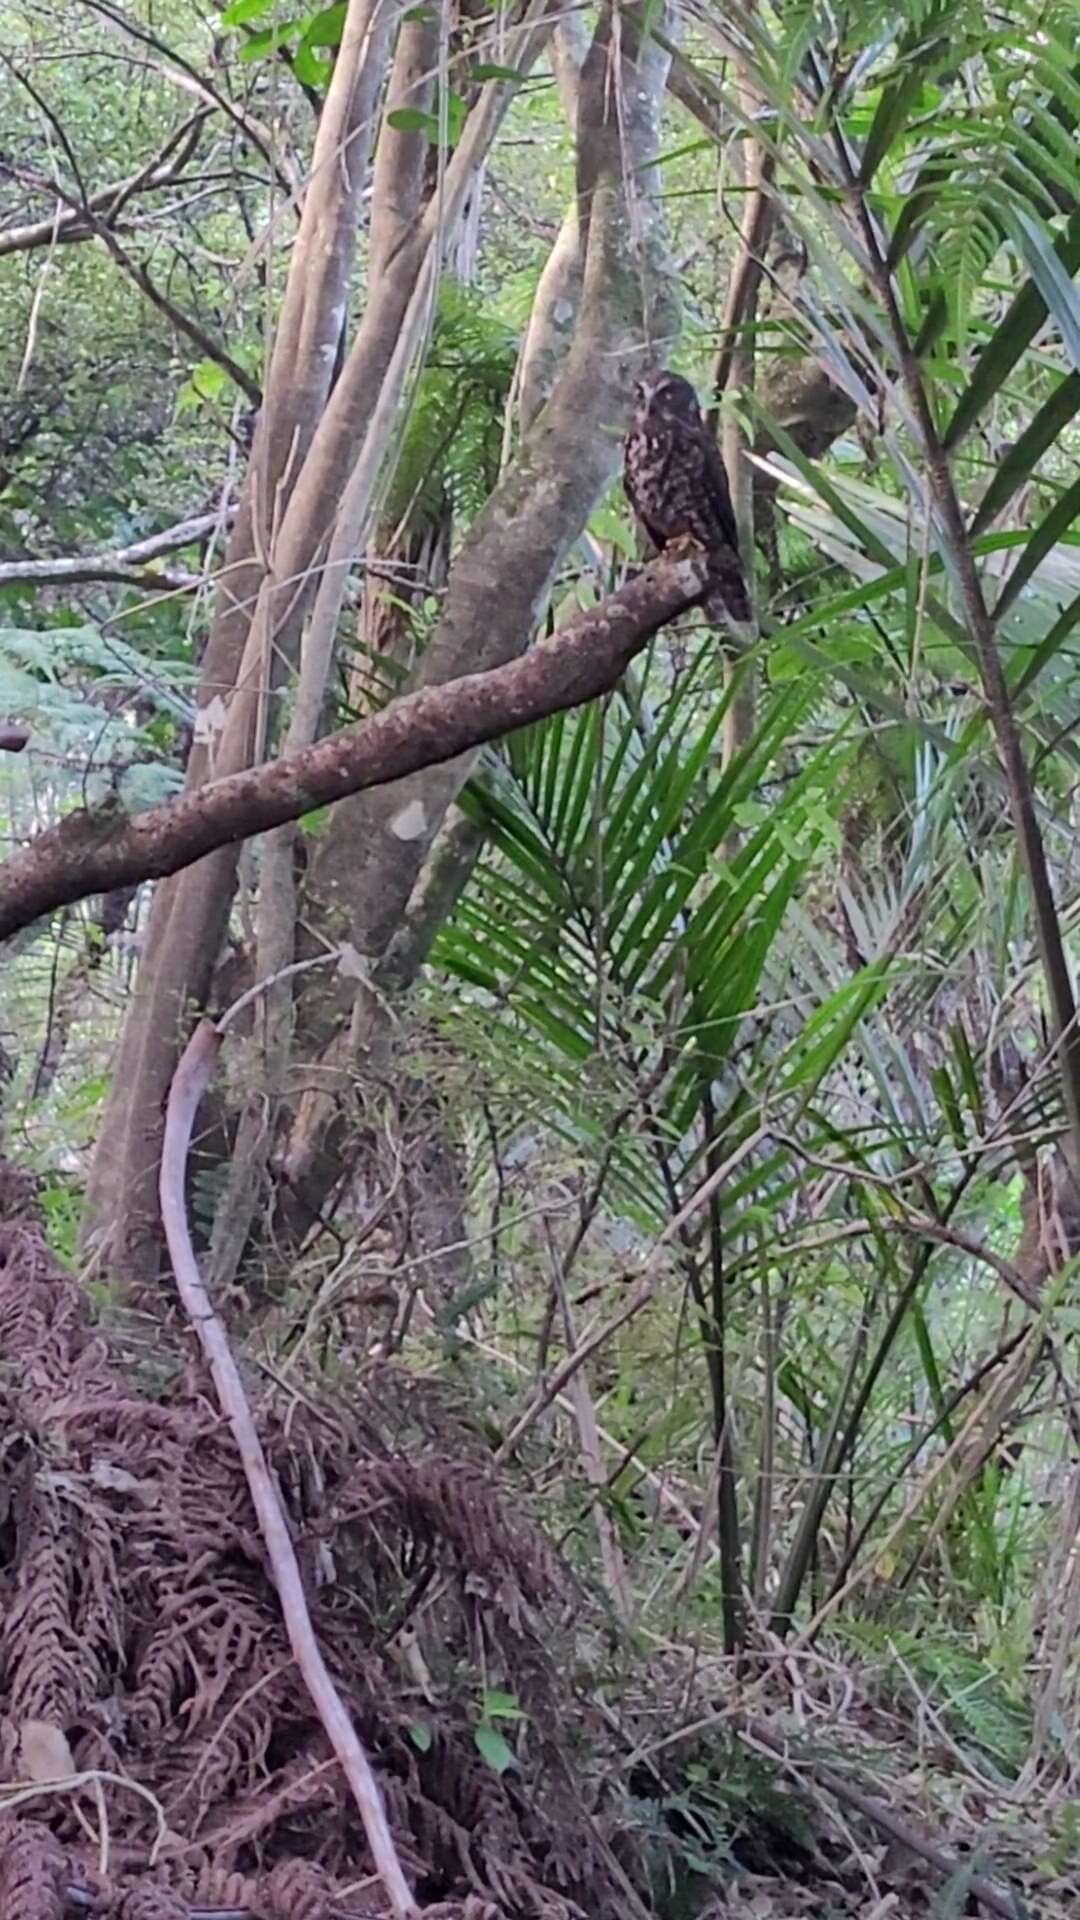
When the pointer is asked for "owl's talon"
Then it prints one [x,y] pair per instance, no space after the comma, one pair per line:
[684,547]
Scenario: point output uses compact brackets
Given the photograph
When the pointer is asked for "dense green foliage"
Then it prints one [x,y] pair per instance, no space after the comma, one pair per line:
[810,958]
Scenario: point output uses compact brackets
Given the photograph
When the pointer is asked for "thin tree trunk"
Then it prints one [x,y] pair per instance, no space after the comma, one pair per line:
[397,201]
[313,495]
[189,913]
[734,377]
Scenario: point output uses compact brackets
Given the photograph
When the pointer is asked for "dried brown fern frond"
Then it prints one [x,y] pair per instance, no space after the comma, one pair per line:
[139,1622]
[33,1871]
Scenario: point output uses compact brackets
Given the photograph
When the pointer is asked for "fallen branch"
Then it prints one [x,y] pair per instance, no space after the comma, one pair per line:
[189,1083]
[95,850]
[888,1822]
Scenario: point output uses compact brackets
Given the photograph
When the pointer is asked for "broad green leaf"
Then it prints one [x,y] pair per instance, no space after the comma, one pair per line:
[315,822]
[326,28]
[267,40]
[209,379]
[413,120]
[243,10]
[492,1748]
[312,68]
[502,1706]
[457,112]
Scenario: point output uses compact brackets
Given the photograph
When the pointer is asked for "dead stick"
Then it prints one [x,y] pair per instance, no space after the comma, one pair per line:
[189,1083]
[945,1862]
[83,1900]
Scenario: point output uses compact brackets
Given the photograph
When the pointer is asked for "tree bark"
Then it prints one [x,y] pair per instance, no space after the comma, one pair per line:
[397,203]
[97,850]
[187,920]
[308,442]
[369,860]
[553,320]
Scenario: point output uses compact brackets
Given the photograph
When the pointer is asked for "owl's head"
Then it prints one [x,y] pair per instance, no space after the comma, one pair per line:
[666,396]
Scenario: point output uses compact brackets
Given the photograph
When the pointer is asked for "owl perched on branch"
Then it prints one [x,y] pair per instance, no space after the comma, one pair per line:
[676,484]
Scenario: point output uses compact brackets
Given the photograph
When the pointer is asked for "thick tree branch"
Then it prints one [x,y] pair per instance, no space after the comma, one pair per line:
[94,851]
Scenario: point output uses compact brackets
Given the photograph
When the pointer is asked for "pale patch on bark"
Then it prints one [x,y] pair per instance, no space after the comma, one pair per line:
[411,822]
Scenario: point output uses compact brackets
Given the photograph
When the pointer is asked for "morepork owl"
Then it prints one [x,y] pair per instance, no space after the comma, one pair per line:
[677,486]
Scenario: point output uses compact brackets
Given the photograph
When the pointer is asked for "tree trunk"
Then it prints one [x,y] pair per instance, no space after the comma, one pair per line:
[372,855]
[308,445]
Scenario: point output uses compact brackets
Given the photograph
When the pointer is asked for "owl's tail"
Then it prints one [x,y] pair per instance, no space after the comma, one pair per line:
[727,598]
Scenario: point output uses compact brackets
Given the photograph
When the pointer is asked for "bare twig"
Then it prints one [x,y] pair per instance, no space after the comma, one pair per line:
[70,224]
[598,1336]
[80,202]
[123,563]
[198,83]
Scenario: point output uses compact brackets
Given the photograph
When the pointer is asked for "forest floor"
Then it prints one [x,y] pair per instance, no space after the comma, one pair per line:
[159,1756]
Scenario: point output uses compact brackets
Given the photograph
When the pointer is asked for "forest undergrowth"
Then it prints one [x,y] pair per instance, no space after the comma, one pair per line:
[639,1180]
[163,1759]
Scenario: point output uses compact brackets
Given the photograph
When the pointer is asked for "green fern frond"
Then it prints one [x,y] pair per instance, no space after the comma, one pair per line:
[969,242]
[453,442]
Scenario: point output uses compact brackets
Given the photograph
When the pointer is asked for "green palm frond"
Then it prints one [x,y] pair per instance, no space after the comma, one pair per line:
[614,922]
